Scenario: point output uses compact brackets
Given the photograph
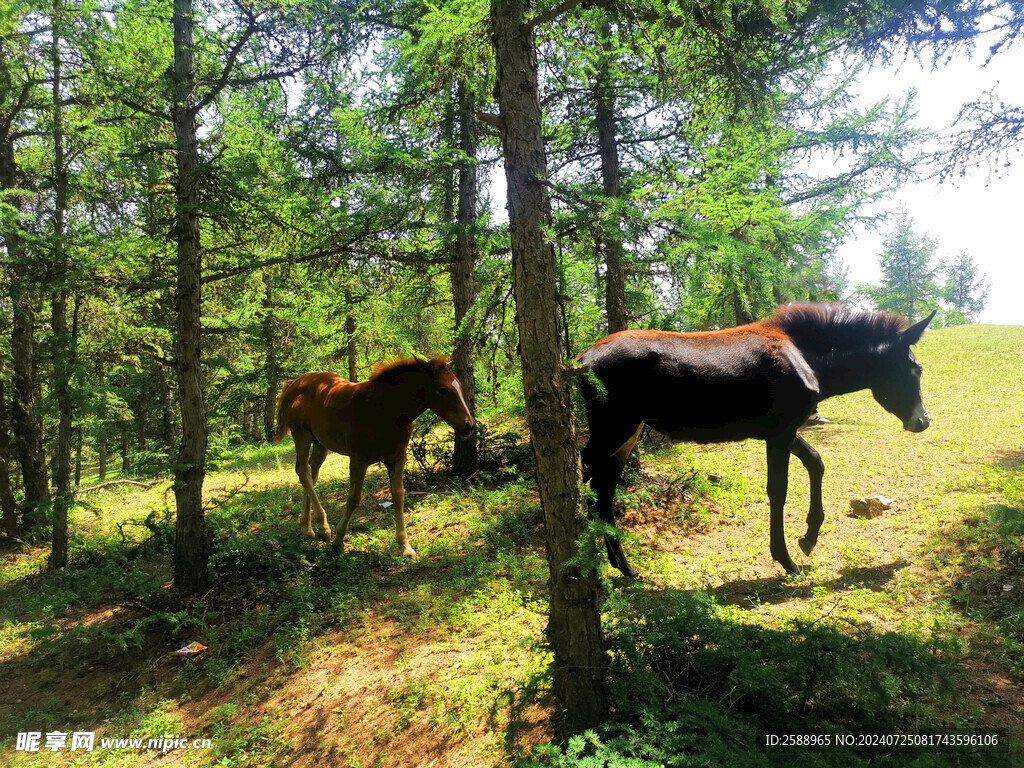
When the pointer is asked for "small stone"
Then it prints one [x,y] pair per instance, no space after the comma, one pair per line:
[871,507]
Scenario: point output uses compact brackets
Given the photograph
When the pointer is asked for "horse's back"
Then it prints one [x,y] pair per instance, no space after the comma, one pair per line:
[714,355]
[309,399]
[312,389]
[702,387]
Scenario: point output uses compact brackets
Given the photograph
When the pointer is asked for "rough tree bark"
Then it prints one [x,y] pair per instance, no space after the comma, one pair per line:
[574,627]
[463,275]
[192,545]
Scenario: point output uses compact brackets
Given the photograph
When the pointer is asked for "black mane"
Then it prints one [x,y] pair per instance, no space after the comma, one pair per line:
[823,329]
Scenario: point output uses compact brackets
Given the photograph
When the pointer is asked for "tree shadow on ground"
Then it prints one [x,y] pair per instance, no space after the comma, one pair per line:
[93,643]
[749,593]
[694,684]
[1009,459]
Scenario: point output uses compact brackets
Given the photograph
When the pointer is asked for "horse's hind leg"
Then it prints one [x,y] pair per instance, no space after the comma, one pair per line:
[815,472]
[303,447]
[396,473]
[317,454]
[604,457]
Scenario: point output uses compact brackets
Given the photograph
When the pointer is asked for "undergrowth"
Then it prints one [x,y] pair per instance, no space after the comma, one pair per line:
[693,685]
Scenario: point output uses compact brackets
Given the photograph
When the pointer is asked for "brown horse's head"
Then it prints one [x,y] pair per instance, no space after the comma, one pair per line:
[435,388]
[899,390]
[446,398]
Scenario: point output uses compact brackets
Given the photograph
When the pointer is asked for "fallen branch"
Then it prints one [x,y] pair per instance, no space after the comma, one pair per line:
[147,484]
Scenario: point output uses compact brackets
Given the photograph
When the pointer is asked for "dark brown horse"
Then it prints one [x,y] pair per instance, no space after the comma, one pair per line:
[369,422]
[757,381]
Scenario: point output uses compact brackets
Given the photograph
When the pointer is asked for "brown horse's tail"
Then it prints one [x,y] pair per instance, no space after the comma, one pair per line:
[282,425]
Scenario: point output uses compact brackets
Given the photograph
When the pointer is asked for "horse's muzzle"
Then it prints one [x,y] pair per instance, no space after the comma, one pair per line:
[917,423]
[467,429]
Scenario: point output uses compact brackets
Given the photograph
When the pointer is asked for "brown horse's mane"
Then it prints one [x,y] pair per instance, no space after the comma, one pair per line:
[390,369]
[830,328]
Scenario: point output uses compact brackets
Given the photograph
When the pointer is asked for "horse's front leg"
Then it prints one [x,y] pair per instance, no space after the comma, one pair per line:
[396,473]
[356,475]
[778,485]
[815,471]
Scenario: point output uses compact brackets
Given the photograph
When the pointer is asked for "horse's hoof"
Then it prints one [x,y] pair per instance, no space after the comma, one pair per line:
[807,546]
[325,536]
[307,534]
[409,551]
[790,567]
[629,573]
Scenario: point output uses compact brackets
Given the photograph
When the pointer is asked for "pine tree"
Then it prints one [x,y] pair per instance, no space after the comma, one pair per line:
[964,291]
[909,278]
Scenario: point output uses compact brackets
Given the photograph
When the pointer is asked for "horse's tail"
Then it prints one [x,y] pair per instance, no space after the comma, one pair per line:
[282,425]
[584,376]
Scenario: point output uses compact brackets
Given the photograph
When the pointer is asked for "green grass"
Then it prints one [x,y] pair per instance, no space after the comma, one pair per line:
[899,625]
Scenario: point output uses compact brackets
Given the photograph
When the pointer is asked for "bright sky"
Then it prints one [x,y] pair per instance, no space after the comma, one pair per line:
[980,213]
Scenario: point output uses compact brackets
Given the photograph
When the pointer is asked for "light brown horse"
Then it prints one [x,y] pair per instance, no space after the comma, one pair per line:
[369,422]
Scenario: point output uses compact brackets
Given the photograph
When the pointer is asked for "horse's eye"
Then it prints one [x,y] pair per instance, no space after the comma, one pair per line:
[443,391]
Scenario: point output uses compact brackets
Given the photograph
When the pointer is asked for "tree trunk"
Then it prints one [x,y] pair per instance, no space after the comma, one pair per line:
[463,275]
[246,421]
[64,346]
[192,545]
[166,409]
[63,365]
[28,438]
[273,371]
[140,425]
[126,464]
[350,335]
[8,506]
[611,228]
[78,457]
[101,450]
[574,626]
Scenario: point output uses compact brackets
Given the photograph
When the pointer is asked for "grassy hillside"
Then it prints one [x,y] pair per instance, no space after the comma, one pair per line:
[910,623]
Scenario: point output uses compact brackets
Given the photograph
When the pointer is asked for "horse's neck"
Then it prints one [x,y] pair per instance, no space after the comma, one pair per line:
[396,399]
[842,373]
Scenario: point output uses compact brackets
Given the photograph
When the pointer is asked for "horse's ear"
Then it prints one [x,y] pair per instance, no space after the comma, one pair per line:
[439,363]
[913,334]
